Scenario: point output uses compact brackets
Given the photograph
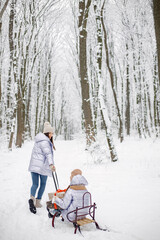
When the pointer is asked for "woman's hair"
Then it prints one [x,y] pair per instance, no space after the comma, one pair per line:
[47,135]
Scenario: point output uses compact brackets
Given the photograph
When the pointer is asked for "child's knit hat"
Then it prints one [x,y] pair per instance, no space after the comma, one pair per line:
[75,172]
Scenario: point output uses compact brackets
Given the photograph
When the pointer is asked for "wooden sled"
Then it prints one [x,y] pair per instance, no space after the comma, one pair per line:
[81,218]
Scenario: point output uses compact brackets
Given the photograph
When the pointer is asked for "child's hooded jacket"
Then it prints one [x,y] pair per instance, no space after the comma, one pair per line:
[73,197]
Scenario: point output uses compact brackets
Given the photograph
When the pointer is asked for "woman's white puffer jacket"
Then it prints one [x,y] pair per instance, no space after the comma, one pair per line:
[42,155]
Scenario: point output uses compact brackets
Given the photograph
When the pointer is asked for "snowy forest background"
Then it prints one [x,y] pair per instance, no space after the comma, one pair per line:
[85,66]
[92,69]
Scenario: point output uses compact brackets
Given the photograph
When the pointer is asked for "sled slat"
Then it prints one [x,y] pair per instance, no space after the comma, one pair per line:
[84,221]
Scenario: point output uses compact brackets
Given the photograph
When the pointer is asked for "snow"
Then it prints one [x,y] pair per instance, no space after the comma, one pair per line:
[127,192]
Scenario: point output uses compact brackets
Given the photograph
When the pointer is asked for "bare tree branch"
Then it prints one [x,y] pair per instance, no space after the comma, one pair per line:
[3,9]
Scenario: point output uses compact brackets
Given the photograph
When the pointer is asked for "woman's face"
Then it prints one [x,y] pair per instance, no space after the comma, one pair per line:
[50,135]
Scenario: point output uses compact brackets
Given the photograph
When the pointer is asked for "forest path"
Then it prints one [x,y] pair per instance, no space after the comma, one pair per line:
[127,193]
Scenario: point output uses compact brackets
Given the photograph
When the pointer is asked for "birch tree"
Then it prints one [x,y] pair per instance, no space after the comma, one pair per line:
[99,16]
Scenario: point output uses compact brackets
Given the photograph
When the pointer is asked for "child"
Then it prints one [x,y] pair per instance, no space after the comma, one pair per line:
[73,197]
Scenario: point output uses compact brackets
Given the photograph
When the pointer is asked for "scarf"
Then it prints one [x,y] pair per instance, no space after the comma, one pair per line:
[78,187]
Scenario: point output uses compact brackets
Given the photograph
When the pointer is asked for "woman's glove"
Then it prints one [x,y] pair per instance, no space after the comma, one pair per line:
[52,167]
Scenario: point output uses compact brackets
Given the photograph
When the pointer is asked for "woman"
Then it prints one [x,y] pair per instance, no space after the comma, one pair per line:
[73,197]
[41,165]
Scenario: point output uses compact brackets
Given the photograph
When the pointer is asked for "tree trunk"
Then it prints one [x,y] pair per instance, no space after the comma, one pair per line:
[0,69]
[11,48]
[156,15]
[12,130]
[37,122]
[111,76]
[94,90]
[49,94]
[127,117]
[111,146]
[97,76]
[155,104]
[27,117]
[19,120]
[2,12]
[86,106]
[10,111]
[102,106]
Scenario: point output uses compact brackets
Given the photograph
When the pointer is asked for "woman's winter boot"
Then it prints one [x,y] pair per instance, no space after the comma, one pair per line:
[38,204]
[32,207]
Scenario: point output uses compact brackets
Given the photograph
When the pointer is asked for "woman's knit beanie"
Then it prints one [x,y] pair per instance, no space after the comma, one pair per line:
[47,128]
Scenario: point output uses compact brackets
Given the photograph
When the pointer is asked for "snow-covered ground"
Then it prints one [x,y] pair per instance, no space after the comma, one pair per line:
[127,193]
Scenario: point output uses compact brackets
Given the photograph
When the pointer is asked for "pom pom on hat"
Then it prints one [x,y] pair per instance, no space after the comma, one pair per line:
[47,128]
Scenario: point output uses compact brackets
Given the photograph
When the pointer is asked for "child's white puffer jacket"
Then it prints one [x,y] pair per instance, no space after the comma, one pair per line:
[73,198]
